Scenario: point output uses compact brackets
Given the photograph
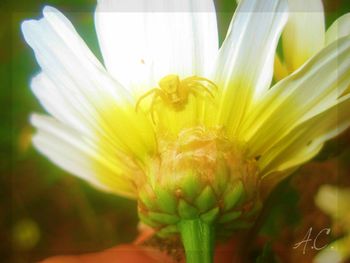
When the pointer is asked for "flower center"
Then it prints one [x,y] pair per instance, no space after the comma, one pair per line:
[200,173]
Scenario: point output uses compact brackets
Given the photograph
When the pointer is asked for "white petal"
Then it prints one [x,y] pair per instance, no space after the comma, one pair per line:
[304,34]
[308,92]
[76,154]
[64,56]
[56,104]
[142,41]
[245,63]
[95,99]
[340,28]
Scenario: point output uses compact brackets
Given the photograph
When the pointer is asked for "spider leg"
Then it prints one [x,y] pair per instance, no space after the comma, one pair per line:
[195,92]
[195,79]
[189,78]
[199,86]
[143,97]
[208,81]
[152,106]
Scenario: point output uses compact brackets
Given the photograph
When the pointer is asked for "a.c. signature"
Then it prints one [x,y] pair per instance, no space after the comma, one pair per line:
[313,242]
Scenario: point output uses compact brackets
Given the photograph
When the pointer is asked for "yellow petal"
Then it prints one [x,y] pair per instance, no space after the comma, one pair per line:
[335,252]
[304,33]
[334,201]
[306,139]
[280,69]
[299,97]
[340,28]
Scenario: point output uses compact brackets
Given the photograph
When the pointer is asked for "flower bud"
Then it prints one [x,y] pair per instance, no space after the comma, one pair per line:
[199,174]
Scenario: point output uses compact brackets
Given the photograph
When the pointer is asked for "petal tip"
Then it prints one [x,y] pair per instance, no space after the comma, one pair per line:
[26,26]
[49,9]
[34,118]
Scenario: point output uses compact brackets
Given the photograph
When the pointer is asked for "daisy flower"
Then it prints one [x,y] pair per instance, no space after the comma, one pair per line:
[193,131]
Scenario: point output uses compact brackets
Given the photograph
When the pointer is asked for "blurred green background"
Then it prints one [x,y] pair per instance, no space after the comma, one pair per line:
[45,211]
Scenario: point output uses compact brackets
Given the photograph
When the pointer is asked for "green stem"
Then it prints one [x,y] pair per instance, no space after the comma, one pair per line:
[198,240]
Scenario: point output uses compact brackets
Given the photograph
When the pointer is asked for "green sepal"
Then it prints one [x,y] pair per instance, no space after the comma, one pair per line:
[206,199]
[166,200]
[187,211]
[164,218]
[210,216]
[230,216]
[168,231]
[145,219]
[147,199]
[190,185]
[233,195]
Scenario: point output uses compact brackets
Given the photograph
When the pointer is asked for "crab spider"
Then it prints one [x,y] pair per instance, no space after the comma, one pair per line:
[175,92]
